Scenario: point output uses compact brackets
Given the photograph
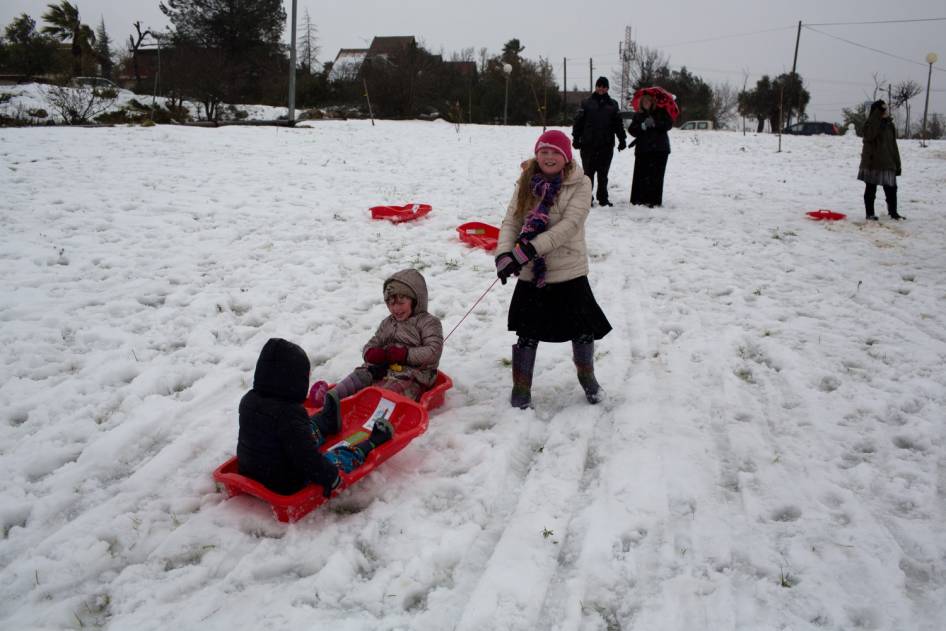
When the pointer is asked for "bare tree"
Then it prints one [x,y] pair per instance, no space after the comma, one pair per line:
[724,103]
[879,83]
[134,43]
[646,65]
[902,93]
[465,54]
[79,105]
[308,43]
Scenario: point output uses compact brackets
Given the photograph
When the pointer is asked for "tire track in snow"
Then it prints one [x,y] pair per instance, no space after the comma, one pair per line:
[530,537]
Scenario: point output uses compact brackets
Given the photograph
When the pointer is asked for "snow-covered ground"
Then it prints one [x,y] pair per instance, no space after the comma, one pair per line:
[771,454]
[18,101]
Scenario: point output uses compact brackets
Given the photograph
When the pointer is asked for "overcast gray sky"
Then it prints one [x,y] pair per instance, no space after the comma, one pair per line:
[719,41]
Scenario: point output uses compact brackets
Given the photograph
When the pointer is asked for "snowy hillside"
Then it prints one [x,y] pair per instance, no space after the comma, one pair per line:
[34,103]
[771,454]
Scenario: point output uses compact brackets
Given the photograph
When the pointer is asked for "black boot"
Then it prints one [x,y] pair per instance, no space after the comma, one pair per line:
[583,354]
[891,193]
[381,433]
[328,420]
[523,363]
[869,205]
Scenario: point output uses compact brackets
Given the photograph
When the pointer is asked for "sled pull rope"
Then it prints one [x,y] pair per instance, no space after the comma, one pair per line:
[471,310]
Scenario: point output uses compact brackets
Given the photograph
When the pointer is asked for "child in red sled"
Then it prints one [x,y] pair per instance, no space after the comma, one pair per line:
[278,443]
[403,354]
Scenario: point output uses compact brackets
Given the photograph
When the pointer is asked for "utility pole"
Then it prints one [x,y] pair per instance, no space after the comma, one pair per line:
[292,69]
[368,99]
[591,75]
[564,89]
[930,59]
[794,78]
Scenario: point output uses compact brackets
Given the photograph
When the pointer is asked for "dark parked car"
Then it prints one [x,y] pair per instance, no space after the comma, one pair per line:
[811,128]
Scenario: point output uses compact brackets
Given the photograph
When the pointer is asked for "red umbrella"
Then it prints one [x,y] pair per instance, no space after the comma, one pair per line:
[662,99]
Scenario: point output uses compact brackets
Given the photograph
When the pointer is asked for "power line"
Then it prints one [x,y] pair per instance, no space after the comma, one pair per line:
[722,37]
[876,50]
[878,22]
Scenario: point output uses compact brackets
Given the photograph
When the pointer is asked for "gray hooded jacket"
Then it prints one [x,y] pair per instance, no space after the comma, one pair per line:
[421,334]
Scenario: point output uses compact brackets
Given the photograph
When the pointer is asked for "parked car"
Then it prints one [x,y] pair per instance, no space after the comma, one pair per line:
[695,125]
[96,83]
[811,128]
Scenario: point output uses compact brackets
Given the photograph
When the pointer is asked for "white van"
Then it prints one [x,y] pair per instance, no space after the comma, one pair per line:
[696,125]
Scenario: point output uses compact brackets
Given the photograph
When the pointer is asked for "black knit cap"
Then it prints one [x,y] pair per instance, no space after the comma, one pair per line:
[878,105]
[282,371]
[603,81]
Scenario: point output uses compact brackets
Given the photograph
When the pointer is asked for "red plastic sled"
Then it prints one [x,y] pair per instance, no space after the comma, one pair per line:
[825,215]
[408,417]
[399,214]
[479,235]
[430,400]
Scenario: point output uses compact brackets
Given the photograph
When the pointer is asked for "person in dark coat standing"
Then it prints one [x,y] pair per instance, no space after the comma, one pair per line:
[651,149]
[596,124]
[278,445]
[880,160]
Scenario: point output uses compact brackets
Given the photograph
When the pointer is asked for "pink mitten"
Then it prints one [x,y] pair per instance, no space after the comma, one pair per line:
[317,394]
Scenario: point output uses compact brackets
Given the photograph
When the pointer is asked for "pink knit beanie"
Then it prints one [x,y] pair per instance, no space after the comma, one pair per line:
[556,141]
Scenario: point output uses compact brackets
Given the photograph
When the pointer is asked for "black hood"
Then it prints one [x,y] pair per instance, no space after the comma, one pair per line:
[282,371]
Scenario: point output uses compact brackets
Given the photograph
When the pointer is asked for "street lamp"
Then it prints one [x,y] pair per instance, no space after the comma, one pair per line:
[507,68]
[291,115]
[930,59]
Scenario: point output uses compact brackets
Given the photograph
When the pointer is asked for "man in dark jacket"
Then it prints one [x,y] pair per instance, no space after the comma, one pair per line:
[596,124]
[279,444]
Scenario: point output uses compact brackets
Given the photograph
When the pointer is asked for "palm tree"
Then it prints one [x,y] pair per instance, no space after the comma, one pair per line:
[64,24]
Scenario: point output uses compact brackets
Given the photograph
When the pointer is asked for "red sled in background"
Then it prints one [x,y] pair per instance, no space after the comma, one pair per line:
[825,215]
[400,214]
[479,235]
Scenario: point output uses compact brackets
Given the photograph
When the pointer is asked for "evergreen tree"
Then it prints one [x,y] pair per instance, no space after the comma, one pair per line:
[694,96]
[26,51]
[775,101]
[856,116]
[103,50]
[236,45]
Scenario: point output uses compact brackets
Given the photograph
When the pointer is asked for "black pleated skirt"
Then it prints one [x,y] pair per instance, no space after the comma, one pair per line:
[558,312]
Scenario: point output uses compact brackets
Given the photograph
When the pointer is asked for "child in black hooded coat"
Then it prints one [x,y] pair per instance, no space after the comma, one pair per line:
[278,444]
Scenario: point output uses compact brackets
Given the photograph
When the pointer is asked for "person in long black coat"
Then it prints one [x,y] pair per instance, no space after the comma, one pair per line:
[596,125]
[880,160]
[649,126]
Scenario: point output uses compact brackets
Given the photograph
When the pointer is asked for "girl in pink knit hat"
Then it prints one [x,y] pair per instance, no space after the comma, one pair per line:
[542,242]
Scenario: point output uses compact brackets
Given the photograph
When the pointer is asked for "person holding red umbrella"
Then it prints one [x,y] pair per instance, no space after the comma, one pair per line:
[655,111]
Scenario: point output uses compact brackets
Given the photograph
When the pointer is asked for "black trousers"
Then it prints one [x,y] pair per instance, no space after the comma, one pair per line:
[648,185]
[597,161]
[870,194]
